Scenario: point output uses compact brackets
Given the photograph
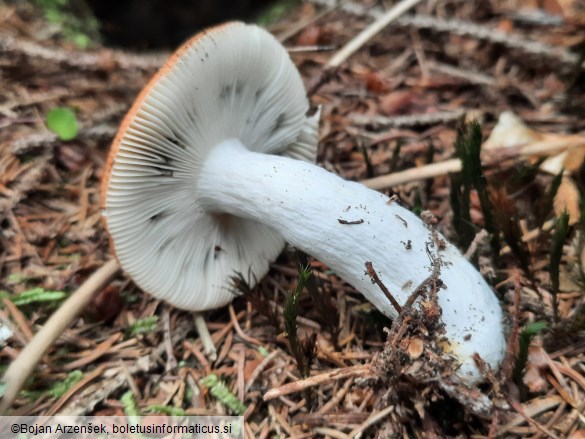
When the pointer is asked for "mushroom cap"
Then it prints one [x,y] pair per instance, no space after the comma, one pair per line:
[231,81]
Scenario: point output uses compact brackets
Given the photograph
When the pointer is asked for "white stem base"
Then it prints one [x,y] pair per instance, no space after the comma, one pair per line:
[344,225]
[209,349]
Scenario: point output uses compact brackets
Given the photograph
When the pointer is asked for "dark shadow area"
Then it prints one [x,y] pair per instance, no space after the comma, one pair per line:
[164,24]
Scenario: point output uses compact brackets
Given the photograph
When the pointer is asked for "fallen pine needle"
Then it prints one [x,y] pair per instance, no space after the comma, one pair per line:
[330,432]
[259,369]
[239,330]
[373,419]
[336,374]
[367,34]
[530,410]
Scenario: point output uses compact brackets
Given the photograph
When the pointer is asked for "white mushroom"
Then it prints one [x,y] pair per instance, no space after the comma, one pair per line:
[204,181]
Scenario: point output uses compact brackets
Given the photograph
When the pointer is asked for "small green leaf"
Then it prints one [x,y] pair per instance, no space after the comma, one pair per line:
[62,121]
[524,339]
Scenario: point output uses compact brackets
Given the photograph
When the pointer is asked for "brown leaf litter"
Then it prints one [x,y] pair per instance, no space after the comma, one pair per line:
[390,106]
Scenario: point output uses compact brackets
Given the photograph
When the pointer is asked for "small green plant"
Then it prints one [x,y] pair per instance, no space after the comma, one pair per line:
[460,205]
[129,403]
[559,236]
[62,121]
[165,410]
[74,20]
[60,388]
[417,207]
[57,390]
[32,395]
[129,297]
[37,295]
[271,14]
[369,167]
[304,352]
[17,278]
[393,162]
[468,149]
[524,340]
[141,326]
[322,301]
[220,392]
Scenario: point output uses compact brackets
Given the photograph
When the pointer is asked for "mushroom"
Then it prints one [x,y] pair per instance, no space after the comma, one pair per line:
[211,173]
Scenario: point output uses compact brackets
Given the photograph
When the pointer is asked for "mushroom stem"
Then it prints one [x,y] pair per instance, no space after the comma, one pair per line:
[208,347]
[345,225]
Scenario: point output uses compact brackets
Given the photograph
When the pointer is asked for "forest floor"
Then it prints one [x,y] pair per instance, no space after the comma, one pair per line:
[393,106]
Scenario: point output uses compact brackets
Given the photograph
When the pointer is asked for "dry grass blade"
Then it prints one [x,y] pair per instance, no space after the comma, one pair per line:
[454,165]
[362,38]
[19,319]
[95,353]
[20,369]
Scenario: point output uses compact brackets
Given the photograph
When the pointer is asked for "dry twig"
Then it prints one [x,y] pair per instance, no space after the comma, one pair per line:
[337,374]
[367,34]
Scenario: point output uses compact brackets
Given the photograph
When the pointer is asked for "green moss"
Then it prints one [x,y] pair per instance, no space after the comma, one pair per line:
[145,325]
[277,10]
[74,19]
[220,392]
[37,295]
[559,236]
